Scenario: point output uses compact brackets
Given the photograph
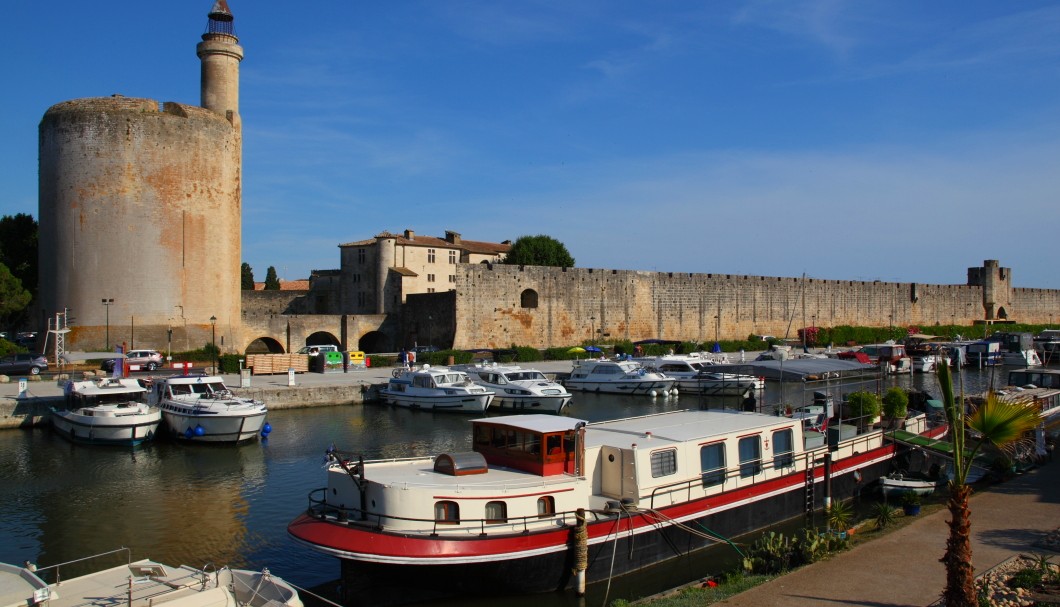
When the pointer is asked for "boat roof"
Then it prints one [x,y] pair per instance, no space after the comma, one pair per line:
[191,379]
[535,422]
[679,427]
[110,385]
[794,368]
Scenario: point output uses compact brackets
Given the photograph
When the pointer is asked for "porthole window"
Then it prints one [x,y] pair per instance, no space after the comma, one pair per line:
[447,512]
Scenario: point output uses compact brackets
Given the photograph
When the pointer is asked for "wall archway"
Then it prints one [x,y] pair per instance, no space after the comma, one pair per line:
[322,338]
[264,345]
[374,341]
[528,299]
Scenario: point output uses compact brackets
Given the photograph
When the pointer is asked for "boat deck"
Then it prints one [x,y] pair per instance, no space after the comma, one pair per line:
[145,582]
[399,473]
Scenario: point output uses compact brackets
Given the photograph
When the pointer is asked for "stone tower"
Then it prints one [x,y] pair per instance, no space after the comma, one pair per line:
[140,211]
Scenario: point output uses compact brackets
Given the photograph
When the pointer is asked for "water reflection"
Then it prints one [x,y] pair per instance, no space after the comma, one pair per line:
[230,505]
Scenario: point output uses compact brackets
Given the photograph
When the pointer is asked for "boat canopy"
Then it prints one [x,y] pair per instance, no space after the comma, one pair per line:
[796,369]
[537,422]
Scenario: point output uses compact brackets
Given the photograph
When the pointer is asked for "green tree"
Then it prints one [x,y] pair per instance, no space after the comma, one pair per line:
[539,250]
[246,279]
[18,248]
[271,282]
[1003,424]
[13,298]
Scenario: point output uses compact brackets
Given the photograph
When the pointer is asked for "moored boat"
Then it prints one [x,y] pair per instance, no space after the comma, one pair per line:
[146,582]
[508,515]
[436,389]
[106,411]
[518,388]
[617,377]
[200,408]
[694,374]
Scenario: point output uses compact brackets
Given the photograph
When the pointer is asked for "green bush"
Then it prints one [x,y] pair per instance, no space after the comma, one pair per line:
[526,354]
[883,514]
[895,403]
[863,404]
[9,347]
[229,363]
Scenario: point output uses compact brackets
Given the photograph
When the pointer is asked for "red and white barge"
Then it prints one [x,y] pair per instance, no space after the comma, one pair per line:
[542,497]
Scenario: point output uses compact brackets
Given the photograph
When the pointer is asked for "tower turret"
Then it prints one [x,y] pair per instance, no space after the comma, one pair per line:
[220,54]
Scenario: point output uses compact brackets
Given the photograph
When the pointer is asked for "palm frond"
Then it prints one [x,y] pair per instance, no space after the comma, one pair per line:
[1005,423]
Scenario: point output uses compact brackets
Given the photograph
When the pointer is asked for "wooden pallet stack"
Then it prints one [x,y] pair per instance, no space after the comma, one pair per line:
[270,364]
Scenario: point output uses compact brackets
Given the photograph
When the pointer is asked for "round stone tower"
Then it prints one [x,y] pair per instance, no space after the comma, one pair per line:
[140,211]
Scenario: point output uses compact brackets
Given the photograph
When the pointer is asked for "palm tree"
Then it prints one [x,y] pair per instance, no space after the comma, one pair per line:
[1001,423]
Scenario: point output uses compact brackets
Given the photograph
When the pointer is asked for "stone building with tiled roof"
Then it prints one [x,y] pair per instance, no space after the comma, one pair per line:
[378,273]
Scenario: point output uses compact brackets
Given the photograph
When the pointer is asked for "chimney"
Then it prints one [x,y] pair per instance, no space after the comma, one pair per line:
[409,234]
[452,237]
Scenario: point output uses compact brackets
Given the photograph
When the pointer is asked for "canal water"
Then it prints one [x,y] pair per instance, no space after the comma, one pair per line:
[200,504]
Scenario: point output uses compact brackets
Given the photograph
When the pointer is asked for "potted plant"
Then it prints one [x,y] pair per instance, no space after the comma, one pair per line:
[895,406]
[864,407]
[911,503]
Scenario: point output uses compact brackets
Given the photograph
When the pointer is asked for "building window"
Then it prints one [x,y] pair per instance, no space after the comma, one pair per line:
[356,278]
[528,299]
[496,512]
[361,299]
[361,255]
[452,257]
[447,512]
[546,506]
[712,463]
[430,255]
[430,278]
[452,278]
[750,456]
[664,463]
[430,290]
[783,449]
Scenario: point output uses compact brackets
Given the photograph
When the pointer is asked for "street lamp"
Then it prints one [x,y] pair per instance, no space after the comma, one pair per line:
[213,340]
[592,321]
[430,331]
[107,302]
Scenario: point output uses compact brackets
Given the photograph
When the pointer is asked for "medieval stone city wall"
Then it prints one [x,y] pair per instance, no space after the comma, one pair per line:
[494,306]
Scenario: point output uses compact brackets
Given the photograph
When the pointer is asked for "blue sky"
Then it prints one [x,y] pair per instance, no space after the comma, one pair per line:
[874,140]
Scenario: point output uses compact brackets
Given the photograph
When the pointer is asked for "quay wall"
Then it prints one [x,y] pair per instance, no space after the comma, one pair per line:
[499,305]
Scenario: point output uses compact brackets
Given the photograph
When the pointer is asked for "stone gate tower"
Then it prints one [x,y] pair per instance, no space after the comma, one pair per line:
[140,211]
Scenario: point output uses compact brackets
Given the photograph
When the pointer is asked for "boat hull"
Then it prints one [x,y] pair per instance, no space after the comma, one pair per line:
[542,561]
[621,386]
[216,428]
[128,431]
[535,403]
[457,403]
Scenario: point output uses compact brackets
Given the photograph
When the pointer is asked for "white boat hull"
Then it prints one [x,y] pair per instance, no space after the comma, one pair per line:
[718,387]
[621,386]
[460,403]
[127,430]
[532,403]
[236,426]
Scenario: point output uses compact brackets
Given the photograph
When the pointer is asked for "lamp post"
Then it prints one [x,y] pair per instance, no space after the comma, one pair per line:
[213,339]
[107,302]
[592,327]
[430,331]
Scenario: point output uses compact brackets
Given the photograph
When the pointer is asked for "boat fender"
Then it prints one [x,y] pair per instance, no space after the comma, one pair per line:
[266,429]
[189,433]
[199,430]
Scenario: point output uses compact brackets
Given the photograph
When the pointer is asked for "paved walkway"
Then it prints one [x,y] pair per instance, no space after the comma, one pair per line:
[902,568]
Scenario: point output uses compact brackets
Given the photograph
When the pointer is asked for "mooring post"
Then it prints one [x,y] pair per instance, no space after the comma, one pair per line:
[581,552]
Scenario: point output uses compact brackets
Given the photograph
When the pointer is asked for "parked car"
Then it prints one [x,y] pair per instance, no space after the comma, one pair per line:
[146,359]
[24,362]
[425,349]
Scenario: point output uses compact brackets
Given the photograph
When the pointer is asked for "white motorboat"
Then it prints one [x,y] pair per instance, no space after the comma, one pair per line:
[201,408]
[617,377]
[897,484]
[518,388]
[147,582]
[436,389]
[106,411]
[695,375]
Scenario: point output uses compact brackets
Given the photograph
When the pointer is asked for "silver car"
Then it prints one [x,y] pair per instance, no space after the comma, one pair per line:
[23,363]
[144,359]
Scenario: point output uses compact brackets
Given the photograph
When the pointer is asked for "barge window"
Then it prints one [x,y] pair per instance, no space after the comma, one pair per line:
[750,456]
[783,449]
[546,506]
[496,512]
[447,512]
[664,463]
[712,462]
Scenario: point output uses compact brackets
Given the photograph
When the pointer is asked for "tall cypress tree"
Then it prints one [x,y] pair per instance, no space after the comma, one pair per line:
[271,282]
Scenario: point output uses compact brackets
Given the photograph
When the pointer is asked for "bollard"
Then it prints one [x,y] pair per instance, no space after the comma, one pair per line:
[290,376]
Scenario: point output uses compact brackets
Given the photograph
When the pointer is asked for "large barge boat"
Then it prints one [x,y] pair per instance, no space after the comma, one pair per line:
[542,495]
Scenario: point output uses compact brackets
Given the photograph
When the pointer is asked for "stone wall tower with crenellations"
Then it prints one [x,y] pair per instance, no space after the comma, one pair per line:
[140,203]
